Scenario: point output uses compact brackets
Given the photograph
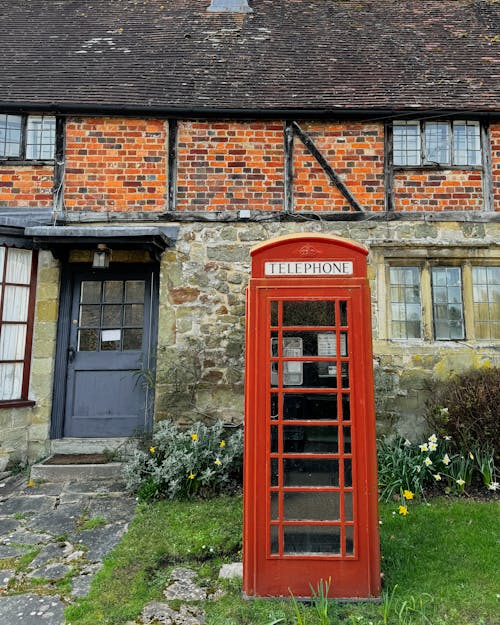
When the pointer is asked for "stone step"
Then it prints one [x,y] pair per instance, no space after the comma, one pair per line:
[91,445]
[76,472]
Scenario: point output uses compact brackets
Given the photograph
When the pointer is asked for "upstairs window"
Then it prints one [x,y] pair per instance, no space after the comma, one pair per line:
[417,143]
[30,137]
[17,290]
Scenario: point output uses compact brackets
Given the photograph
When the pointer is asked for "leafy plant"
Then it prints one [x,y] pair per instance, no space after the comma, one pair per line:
[400,468]
[465,407]
[320,600]
[199,461]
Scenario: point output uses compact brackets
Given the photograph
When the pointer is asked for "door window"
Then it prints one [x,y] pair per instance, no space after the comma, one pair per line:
[111,315]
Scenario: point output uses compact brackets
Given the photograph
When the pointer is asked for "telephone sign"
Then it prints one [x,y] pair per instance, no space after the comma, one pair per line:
[310,487]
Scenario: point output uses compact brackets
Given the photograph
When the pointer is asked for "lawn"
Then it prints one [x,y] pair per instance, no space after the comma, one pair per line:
[443,559]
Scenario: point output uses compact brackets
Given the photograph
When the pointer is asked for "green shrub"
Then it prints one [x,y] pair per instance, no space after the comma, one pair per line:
[467,408]
[199,461]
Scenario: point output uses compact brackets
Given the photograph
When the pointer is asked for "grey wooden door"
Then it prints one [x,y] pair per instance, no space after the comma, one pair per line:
[110,336]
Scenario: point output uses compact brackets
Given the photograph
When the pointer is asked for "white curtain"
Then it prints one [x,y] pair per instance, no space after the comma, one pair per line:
[15,309]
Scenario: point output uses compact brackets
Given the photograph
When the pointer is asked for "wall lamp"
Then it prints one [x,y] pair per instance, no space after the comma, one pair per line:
[101,257]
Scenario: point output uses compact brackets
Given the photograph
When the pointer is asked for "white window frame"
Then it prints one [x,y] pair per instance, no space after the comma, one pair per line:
[35,138]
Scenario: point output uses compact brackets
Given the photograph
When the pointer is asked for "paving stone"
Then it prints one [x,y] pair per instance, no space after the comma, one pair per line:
[5,576]
[100,540]
[156,612]
[23,504]
[29,609]
[113,509]
[81,583]
[8,525]
[25,537]
[62,520]
[184,587]
[7,551]
[230,571]
[96,486]
[52,489]
[51,572]
[53,551]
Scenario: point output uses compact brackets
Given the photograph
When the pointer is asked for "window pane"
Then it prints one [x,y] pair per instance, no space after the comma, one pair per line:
[15,306]
[132,339]
[11,380]
[466,143]
[134,291]
[447,303]
[308,313]
[113,291]
[10,135]
[314,406]
[437,142]
[18,266]
[298,472]
[311,506]
[405,302]
[12,341]
[486,299]
[91,292]
[40,137]
[406,143]
[310,439]
[311,539]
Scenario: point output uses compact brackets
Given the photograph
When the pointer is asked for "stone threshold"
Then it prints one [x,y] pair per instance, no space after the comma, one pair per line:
[42,472]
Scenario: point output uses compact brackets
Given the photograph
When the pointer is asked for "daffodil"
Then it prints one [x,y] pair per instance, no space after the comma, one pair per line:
[152,450]
[407,443]
[444,412]
[423,447]
[493,486]
[217,462]
[437,477]
[407,494]
[31,483]
[403,510]
[427,462]
[446,460]
[447,438]
[471,455]
[432,446]
[222,444]
[191,476]
[460,481]
[432,438]
[194,437]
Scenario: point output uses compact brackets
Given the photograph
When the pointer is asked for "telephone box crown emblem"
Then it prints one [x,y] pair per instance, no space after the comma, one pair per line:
[308,251]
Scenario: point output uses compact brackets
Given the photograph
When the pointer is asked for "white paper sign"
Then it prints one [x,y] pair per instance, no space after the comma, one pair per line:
[309,268]
[111,335]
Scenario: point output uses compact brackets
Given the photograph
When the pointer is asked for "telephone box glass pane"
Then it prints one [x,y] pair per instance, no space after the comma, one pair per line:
[346,407]
[345,375]
[349,540]
[310,343]
[274,472]
[274,439]
[348,506]
[310,374]
[311,506]
[347,473]
[309,313]
[309,472]
[274,539]
[274,406]
[311,539]
[347,440]
[309,406]
[274,506]
[343,313]
[310,439]
[274,313]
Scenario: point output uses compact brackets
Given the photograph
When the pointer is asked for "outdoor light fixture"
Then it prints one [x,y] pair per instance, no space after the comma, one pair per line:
[101,257]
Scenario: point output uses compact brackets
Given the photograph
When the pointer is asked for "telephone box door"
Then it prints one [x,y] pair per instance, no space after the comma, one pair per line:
[310,478]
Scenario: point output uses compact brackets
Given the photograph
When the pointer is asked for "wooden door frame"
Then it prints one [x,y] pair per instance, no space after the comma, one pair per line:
[68,274]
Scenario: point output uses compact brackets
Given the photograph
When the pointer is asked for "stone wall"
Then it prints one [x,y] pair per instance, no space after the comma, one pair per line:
[202,301]
[24,432]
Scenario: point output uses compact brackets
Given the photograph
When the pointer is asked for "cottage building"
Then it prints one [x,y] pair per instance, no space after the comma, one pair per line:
[146,147]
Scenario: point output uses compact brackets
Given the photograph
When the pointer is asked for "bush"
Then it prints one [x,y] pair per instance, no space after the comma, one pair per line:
[200,461]
[467,408]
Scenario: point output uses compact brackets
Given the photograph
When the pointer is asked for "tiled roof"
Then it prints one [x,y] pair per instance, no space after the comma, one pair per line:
[323,55]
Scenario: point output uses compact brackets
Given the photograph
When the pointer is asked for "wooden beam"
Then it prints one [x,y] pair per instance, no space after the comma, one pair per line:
[327,168]
[388,167]
[488,200]
[288,173]
[173,127]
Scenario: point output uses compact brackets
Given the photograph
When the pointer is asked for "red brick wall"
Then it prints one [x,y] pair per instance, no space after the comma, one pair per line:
[418,190]
[230,166]
[116,164]
[26,185]
[495,161]
[356,153]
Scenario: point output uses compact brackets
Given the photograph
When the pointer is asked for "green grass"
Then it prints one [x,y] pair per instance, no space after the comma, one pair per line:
[443,557]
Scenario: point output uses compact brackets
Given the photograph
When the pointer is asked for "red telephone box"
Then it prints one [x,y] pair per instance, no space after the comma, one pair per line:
[310,479]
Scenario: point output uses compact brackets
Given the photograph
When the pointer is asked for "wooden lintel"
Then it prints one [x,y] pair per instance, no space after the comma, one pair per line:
[288,174]
[327,168]
[172,164]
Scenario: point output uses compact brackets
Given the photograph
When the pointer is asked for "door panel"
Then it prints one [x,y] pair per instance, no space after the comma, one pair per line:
[109,343]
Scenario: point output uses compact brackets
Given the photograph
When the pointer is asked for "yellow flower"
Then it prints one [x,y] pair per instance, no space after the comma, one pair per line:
[423,447]
[437,477]
[152,450]
[471,455]
[432,438]
[31,483]
[191,476]
[446,460]
[194,437]
[218,462]
[403,510]
[432,446]
[460,481]
[427,462]
[222,444]
[407,494]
